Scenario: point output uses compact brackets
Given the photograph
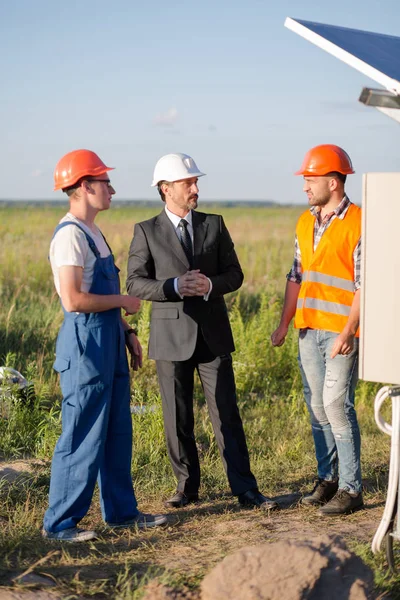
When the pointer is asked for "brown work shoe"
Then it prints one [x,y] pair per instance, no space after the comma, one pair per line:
[343,503]
[323,492]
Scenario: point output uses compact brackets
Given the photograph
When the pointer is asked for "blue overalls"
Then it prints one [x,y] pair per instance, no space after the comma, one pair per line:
[96,439]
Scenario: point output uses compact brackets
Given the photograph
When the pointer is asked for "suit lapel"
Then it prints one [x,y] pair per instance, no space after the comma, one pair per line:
[199,233]
[166,230]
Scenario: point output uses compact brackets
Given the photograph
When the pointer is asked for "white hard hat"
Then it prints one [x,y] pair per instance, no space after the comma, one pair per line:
[174,167]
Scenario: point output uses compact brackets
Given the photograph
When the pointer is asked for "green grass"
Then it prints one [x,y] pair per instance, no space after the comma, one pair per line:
[269,394]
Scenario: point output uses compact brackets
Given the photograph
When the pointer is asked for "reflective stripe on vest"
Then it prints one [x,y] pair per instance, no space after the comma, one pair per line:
[337,282]
[330,307]
[327,288]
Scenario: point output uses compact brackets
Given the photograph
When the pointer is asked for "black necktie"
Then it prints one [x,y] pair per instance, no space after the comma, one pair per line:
[186,241]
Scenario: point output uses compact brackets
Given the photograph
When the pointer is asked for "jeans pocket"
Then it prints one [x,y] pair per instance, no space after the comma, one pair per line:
[303,333]
[356,344]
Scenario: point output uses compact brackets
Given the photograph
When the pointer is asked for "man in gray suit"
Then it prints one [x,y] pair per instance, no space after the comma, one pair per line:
[184,262]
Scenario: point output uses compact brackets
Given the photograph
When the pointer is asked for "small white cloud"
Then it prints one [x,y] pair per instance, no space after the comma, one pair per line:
[166,119]
[37,173]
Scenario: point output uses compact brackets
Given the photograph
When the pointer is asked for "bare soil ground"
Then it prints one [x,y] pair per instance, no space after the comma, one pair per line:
[17,470]
[180,554]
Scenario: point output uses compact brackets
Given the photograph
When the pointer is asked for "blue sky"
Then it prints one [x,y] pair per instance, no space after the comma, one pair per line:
[223,81]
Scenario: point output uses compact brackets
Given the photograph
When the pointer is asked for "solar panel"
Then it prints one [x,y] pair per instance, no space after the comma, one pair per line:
[375,54]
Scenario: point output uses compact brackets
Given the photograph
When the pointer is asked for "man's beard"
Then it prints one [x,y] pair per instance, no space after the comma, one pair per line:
[319,200]
[192,202]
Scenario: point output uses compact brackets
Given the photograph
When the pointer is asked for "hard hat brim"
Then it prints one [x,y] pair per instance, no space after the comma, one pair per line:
[189,176]
[313,174]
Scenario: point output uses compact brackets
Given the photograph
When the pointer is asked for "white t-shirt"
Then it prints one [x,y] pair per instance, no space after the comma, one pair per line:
[69,247]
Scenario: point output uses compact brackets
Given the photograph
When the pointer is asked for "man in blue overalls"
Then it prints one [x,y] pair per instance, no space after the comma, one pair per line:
[96,440]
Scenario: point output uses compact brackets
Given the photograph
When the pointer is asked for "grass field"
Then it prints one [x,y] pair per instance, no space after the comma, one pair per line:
[270,397]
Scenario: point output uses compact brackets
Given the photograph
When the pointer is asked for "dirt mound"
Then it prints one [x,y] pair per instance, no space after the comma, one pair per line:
[157,591]
[18,471]
[291,570]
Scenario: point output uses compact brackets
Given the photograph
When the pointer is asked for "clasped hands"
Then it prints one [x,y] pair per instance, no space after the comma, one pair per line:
[193,283]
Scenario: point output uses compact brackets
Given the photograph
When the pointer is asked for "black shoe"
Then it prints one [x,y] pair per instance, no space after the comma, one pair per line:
[180,499]
[343,503]
[323,492]
[254,498]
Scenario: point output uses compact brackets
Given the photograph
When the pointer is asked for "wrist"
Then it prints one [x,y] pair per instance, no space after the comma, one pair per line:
[128,332]
[350,329]
[122,300]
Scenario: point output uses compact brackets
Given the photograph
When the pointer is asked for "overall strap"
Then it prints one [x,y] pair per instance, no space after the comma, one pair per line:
[90,241]
[107,244]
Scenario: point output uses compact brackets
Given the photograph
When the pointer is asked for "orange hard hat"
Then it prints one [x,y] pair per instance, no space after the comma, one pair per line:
[76,164]
[324,159]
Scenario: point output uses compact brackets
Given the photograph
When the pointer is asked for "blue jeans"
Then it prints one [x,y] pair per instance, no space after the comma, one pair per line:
[329,386]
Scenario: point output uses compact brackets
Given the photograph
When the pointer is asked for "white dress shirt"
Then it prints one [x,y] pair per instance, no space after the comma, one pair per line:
[175,220]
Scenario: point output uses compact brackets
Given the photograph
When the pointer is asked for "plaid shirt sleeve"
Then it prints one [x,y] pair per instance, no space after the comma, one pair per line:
[357,266]
[295,273]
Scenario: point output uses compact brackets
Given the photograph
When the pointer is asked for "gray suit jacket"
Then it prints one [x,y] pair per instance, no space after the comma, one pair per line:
[156,257]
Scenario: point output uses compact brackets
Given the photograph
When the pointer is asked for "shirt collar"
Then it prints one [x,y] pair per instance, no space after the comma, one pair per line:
[175,219]
[339,211]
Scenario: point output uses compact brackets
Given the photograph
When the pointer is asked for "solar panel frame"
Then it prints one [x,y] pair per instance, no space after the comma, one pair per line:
[376,55]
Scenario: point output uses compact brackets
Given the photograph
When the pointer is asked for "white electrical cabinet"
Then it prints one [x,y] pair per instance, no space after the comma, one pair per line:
[380,289]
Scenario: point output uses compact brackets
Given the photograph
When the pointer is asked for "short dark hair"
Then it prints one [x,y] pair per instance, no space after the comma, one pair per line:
[337,175]
[72,188]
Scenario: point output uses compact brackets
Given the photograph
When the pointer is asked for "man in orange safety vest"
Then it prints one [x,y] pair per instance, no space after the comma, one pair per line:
[323,295]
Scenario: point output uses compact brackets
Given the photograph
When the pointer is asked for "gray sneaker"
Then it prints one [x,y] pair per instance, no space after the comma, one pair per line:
[141,521]
[72,534]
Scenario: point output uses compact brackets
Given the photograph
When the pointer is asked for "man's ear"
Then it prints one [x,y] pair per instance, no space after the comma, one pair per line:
[164,188]
[85,186]
[333,184]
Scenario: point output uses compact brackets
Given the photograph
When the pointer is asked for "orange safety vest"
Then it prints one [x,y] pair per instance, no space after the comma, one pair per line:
[327,287]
